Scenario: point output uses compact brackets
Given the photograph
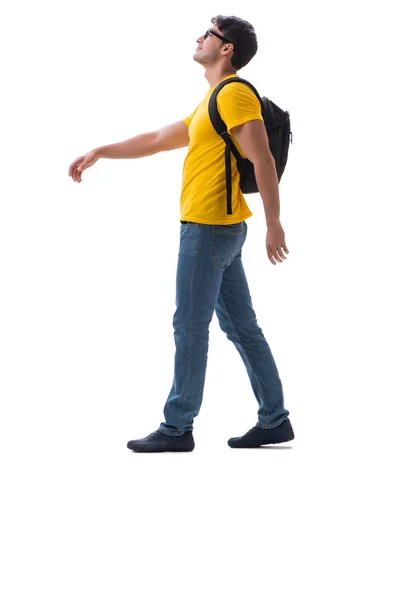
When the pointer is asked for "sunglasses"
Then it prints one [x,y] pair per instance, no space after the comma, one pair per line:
[210,31]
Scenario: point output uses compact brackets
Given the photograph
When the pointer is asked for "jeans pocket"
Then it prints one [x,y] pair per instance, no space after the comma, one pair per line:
[227,242]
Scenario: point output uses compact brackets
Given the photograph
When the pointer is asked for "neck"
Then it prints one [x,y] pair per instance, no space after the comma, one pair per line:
[215,73]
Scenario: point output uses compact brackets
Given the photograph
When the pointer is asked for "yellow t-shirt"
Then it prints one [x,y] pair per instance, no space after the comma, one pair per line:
[203,197]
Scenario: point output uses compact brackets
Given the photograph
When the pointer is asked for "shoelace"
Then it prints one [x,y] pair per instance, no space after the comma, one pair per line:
[155,434]
[251,430]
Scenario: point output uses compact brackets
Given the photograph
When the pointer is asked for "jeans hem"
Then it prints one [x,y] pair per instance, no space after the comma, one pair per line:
[172,433]
[272,426]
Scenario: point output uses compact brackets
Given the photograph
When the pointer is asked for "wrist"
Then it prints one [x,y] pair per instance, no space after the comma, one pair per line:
[98,152]
[273,221]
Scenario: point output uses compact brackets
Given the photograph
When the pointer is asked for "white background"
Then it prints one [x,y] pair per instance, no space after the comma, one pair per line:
[88,295]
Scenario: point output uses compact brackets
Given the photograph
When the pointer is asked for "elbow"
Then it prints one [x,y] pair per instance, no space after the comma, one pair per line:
[156,142]
[264,161]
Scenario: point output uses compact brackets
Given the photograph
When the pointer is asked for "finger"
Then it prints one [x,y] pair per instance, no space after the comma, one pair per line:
[276,255]
[80,169]
[76,172]
[72,170]
[271,256]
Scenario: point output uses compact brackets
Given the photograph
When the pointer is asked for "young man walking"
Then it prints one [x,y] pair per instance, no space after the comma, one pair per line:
[210,274]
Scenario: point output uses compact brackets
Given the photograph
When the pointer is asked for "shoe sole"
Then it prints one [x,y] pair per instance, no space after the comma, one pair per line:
[261,445]
[161,450]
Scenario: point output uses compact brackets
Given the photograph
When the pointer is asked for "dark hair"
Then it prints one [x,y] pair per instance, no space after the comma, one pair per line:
[242,35]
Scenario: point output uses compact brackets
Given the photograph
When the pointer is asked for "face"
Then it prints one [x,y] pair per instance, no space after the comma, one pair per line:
[209,49]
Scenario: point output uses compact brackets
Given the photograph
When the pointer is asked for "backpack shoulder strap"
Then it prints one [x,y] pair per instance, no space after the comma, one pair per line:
[218,123]
[220,127]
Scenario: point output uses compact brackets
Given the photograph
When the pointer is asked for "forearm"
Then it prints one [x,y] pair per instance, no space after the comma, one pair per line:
[267,183]
[141,145]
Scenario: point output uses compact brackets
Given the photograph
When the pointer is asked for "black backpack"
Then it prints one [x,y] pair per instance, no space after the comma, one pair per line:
[277,124]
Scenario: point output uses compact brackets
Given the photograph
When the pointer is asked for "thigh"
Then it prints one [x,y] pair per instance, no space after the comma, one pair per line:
[198,278]
[234,304]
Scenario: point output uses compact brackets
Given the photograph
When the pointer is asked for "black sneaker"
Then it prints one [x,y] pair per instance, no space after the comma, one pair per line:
[161,442]
[257,437]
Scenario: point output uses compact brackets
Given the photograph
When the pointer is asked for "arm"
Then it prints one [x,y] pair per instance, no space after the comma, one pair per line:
[253,140]
[145,144]
[169,137]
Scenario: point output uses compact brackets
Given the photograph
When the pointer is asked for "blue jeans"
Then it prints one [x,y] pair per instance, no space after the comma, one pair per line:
[210,276]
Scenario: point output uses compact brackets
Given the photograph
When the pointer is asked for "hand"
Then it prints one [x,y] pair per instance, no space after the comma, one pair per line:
[81,163]
[275,242]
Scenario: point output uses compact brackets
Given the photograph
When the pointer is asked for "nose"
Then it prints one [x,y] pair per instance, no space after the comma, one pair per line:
[200,39]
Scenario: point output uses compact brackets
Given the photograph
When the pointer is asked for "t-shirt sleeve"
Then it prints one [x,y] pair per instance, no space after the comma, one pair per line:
[237,104]
[188,119]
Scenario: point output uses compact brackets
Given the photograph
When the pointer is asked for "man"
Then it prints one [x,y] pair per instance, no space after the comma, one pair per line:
[210,274]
